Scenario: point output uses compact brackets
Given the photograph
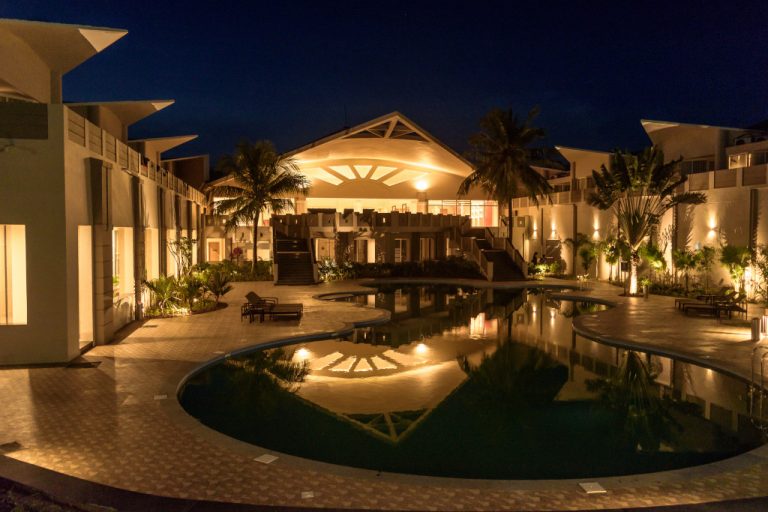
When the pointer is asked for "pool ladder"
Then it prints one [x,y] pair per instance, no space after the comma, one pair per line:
[757,391]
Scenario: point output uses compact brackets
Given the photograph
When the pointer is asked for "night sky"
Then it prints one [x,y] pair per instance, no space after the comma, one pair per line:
[292,72]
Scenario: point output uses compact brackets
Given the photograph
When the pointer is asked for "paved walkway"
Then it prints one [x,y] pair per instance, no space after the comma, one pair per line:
[119,423]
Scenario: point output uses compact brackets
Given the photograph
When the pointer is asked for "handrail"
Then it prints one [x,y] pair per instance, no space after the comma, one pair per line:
[468,245]
[510,249]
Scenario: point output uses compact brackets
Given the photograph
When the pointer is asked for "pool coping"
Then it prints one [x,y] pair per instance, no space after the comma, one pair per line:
[747,459]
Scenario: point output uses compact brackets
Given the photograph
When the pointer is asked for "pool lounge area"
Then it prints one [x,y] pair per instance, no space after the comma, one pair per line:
[82,420]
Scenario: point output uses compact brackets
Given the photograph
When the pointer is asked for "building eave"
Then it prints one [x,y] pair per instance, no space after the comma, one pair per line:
[62,46]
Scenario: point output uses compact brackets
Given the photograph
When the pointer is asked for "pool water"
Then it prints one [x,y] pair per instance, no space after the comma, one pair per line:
[476,384]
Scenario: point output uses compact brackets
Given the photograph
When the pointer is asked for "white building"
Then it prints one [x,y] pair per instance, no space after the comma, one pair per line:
[84,212]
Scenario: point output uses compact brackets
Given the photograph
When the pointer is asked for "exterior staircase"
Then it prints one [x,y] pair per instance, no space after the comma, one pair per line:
[505,268]
[294,262]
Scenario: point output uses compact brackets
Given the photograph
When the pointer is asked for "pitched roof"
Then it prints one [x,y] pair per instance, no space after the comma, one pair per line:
[394,126]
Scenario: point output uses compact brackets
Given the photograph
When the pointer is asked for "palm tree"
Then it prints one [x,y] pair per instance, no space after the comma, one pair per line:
[639,189]
[736,259]
[261,179]
[685,261]
[501,153]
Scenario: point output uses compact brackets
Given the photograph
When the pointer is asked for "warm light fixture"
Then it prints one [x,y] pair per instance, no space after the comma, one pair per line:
[422,185]
[302,354]
[421,348]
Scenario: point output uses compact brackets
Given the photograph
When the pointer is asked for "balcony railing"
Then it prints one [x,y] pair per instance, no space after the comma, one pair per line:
[88,135]
[300,225]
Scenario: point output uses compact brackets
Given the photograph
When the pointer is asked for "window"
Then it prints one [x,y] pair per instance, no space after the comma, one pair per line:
[482,213]
[426,248]
[760,157]
[13,275]
[122,262]
[697,166]
[401,250]
[738,160]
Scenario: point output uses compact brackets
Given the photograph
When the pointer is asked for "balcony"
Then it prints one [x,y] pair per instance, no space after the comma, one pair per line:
[99,142]
[309,223]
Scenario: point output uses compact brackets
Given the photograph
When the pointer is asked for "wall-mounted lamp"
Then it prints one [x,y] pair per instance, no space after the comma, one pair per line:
[422,185]
[712,233]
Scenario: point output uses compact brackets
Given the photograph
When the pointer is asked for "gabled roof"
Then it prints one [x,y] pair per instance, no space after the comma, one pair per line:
[163,144]
[61,46]
[393,126]
[129,112]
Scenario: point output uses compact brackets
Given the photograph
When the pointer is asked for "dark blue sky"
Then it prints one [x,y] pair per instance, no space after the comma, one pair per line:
[286,71]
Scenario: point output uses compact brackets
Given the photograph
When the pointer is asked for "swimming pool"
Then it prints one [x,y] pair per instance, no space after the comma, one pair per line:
[475,384]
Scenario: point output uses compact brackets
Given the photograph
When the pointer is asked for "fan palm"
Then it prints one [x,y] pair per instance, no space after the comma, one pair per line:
[501,153]
[639,189]
[261,179]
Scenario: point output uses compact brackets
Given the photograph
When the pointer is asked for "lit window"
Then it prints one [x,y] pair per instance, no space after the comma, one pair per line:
[122,262]
[738,160]
[13,274]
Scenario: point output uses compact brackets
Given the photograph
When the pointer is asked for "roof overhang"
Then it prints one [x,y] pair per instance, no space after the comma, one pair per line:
[129,112]
[163,144]
[651,126]
[61,46]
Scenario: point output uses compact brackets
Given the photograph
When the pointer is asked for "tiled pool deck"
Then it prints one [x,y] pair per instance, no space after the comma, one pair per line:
[119,423]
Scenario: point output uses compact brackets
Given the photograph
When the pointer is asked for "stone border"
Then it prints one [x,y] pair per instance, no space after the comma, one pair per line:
[174,409]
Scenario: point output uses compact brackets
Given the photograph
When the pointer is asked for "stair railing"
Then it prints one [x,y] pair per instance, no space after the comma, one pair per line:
[469,246]
[506,245]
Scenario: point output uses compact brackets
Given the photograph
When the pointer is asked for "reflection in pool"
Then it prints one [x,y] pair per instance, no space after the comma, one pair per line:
[476,384]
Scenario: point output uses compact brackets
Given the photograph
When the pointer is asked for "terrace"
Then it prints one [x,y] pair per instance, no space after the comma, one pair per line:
[122,406]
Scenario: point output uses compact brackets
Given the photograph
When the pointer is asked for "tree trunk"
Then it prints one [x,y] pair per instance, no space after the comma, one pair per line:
[634,262]
[255,238]
[509,220]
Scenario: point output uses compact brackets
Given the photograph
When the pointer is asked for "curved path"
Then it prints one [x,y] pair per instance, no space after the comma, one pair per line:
[119,424]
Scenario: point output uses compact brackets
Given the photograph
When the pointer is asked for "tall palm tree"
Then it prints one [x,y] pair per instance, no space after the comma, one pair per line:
[639,189]
[501,153]
[261,179]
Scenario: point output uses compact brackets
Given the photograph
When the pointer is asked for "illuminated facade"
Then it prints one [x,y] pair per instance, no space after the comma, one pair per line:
[382,191]
[85,213]
[729,165]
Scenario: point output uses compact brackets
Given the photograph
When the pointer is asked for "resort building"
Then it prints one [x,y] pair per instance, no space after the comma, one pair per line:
[729,165]
[85,213]
[384,191]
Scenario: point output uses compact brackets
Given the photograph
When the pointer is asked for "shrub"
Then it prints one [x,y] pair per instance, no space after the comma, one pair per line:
[218,282]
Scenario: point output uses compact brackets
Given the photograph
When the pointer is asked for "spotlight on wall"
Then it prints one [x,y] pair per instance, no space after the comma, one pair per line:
[711,233]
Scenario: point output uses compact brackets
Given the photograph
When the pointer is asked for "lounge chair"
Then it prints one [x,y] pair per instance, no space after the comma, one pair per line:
[286,310]
[256,305]
[722,294]
[263,306]
[735,302]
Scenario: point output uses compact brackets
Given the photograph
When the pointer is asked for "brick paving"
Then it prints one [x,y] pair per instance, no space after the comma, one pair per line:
[119,423]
